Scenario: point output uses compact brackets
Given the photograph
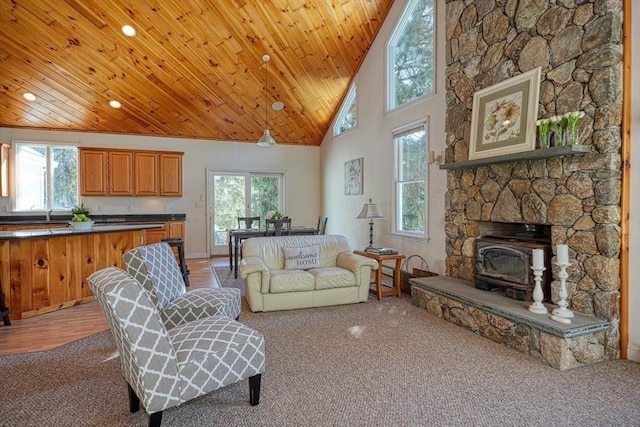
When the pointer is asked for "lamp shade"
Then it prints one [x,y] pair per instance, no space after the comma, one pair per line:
[370,210]
[266,140]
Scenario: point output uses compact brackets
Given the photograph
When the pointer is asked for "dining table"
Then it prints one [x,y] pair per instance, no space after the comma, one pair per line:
[237,235]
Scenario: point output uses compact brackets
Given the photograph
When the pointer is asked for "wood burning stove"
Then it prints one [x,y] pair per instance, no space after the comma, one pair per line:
[504,262]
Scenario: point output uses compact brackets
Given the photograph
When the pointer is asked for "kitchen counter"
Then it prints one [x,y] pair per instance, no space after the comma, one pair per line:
[44,270]
[107,219]
[50,232]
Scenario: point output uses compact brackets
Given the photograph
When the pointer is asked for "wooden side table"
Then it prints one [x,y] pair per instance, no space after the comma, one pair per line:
[395,290]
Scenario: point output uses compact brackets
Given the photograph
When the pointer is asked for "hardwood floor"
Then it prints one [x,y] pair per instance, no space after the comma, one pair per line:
[52,330]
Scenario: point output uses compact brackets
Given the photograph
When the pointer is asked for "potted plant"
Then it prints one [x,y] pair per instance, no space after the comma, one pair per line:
[81,219]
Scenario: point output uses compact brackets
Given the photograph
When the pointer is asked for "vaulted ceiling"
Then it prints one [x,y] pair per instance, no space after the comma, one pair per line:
[193,70]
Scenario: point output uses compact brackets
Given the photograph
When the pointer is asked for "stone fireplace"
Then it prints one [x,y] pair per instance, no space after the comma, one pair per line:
[578,45]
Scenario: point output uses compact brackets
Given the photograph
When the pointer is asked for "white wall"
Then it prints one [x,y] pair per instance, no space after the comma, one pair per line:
[633,349]
[373,140]
[300,164]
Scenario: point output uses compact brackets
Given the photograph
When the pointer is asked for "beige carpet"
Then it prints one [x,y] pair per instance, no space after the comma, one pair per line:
[370,364]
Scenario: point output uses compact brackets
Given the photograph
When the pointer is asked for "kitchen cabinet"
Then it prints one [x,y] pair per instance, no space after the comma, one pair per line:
[176,229]
[107,172]
[93,172]
[171,174]
[145,166]
[120,173]
[169,229]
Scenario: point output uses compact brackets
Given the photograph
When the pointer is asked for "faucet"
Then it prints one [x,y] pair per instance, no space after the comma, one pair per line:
[48,215]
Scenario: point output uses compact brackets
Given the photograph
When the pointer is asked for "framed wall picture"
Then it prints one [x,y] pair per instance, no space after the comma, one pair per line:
[353,175]
[504,116]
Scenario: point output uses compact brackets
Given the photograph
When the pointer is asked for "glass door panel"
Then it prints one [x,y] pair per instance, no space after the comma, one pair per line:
[232,195]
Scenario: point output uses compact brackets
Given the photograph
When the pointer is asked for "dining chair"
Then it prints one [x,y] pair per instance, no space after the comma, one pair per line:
[247,221]
[278,227]
[165,368]
[322,224]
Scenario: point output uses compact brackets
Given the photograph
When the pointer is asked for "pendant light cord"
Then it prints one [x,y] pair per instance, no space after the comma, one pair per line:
[266,86]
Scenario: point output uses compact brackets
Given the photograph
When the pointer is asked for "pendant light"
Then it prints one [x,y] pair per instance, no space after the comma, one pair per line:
[266,140]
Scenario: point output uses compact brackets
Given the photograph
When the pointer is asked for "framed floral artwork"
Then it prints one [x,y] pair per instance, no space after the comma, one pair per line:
[353,177]
[504,117]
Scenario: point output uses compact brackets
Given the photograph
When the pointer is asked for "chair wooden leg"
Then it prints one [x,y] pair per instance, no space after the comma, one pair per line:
[134,401]
[254,389]
[155,419]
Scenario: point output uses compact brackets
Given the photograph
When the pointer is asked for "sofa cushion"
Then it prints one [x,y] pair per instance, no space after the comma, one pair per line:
[269,249]
[290,281]
[301,258]
[332,277]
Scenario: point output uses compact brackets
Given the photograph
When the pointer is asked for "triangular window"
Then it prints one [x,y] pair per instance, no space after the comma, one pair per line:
[348,117]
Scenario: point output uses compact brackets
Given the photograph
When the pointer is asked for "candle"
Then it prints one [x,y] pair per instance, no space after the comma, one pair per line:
[538,259]
[563,254]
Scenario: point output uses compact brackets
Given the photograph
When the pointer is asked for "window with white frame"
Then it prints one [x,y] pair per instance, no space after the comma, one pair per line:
[348,116]
[411,55]
[46,176]
[411,180]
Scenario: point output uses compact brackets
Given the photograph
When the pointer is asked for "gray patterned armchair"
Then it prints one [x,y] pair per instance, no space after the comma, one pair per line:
[165,368]
[156,268]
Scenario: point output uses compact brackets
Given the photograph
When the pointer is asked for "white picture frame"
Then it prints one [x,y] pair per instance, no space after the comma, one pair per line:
[353,176]
[504,115]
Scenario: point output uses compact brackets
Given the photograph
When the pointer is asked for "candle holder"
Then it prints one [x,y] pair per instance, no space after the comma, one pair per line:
[562,314]
[537,306]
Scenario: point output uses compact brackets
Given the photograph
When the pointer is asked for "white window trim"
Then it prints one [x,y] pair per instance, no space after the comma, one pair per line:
[344,109]
[405,129]
[13,170]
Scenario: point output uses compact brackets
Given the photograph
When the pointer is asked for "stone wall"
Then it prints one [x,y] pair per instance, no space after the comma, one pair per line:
[578,45]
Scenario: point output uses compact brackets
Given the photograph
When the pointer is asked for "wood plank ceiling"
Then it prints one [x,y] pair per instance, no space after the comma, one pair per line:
[194,70]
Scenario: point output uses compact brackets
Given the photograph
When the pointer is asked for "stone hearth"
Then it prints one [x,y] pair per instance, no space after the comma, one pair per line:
[509,322]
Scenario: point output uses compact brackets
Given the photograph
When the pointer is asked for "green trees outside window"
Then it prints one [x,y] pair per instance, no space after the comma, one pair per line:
[241,195]
[412,55]
[411,181]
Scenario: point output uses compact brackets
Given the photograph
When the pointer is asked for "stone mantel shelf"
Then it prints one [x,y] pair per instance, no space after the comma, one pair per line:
[541,153]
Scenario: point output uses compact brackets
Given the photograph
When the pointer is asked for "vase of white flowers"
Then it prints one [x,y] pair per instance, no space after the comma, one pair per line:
[573,120]
[558,125]
[543,132]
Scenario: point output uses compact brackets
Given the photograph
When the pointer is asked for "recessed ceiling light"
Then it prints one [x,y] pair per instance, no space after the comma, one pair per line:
[277,105]
[115,104]
[29,96]
[128,30]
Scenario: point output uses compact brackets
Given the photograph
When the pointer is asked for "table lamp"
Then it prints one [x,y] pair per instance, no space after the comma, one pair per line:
[370,211]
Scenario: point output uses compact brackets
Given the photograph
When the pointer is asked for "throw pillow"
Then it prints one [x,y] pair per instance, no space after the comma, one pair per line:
[301,258]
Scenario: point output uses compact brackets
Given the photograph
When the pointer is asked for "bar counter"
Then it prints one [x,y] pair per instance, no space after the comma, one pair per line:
[45,270]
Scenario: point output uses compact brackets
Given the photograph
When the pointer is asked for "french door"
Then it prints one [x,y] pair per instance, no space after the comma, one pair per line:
[234,194]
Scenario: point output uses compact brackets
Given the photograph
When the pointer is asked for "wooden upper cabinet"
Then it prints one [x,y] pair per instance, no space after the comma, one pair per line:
[107,172]
[121,173]
[93,172]
[145,170]
[171,174]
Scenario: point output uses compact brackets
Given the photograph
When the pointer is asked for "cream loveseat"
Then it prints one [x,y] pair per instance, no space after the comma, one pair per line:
[322,270]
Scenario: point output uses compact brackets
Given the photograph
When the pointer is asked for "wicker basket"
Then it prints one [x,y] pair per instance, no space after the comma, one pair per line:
[405,274]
